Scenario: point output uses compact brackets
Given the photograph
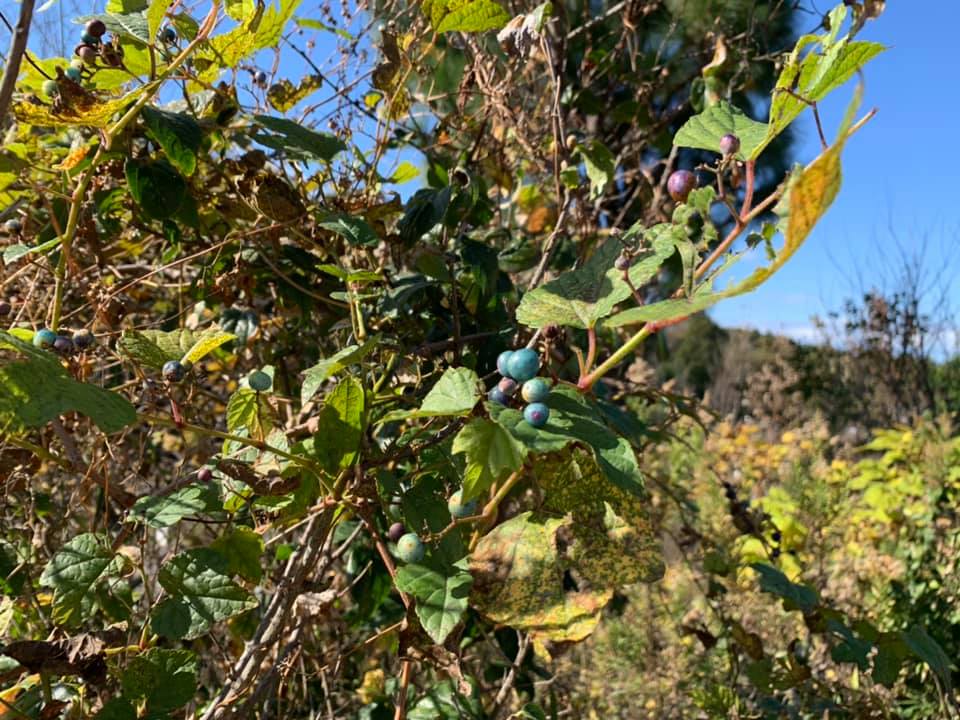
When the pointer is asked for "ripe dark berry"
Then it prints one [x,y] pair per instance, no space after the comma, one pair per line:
[680,184]
[96,28]
[204,474]
[503,361]
[4,308]
[83,339]
[13,225]
[459,509]
[173,371]
[775,536]
[168,35]
[729,491]
[623,262]
[260,78]
[498,396]
[63,345]
[259,381]
[396,531]
[87,53]
[729,145]
[535,390]
[536,414]
[44,338]
[508,386]
[523,365]
[410,548]
[50,88]
[551,331]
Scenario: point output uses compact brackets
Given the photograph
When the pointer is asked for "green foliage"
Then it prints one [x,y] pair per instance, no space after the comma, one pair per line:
[441,597]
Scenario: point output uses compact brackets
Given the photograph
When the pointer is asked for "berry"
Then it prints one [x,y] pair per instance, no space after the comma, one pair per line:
[508,386]
[459,509]
[13,225]
[498,396]
[623,262]
[396,531]
[503,361]
[63,345]
[523,365]
[410,548]
[50,88]
[260,78]
[83,339]
[72,73]
[44,338]
[89,39]
[168,35]
[680,184]
[536,414]
[551,331]
[259,381]
[535,390]
[4,308]
[729,145]
[173,371]
[775,536]
[77,63]
[205,474]
[96,28]
[87,54]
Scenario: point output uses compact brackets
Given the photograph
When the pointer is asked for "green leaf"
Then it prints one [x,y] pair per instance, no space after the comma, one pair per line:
[405,172]
[165,679]
[600,166]
[178,134]
[580,298]
[36,390]
[442,599]
[74,573]
[574,418]
[156,187]
[492,453]
[354,230]
[929,650]
[289,134]
[283,95]
[315,376]
[249,410]
[704,131]
[887,663]
[131,24]
[156,12]
[340,426]
[141,349]
[240,10]
[470,16]
[424,210]
[242,548]
[14,252]
[200,594]
[795,597]
[455,395]
[116,708]
[166,510]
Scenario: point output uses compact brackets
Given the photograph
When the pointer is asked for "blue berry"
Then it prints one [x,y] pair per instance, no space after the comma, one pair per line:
[72,73]
[410,548]
[498,396]
[508,386]
[259,381]
[83,338]
[168,35]
[503,362]
[459,509]
[63,345]
[44,338]
[173,371]
[535,390]
[536,414]
[13,225]
[523,365]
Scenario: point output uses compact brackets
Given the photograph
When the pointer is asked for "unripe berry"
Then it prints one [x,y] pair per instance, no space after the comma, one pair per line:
[410,548]
[83,338]
[729,145]
[44,338]
[535,390]
[95,28]
[173,371]
[204,474]
[89,39]
[396,531]
[72,73]
[503,362]
[63,345]
[259,381]
[623,262]
[459,509]
[523,365]
[536,414]
[508,386]
[680,184]
[50,88]
[4,308]
[496,395]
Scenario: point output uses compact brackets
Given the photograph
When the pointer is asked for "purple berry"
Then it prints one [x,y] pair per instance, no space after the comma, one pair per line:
[5,308]
[680,184]
[496,395]
[396,531]
[623,262]
[63,345]
[95,28]
[508,386]
[729,145]
[536,414]
[204,474]
[87,53]
[83,339]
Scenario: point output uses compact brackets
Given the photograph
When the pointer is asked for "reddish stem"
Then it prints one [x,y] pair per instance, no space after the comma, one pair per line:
[748,193]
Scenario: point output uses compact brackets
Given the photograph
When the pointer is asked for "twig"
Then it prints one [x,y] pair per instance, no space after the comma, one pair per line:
[18,47]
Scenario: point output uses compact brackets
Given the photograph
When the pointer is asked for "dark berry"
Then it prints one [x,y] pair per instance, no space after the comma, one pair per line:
[259,381]
[535,390]
[83,339]
[410,548]
[95,28]
[50,88]
[775,536]
[523,365]
[680,184]
[4,308]
[496,395]
[551,331]
[508,386]
[205,474]
[13,225]
[730,492]
[396,531]
[623,262]
[536,414]
[173,371]
[44,338]
[775,553]
[168,35]
[729,145]
[63,345]
[503,362]
[260,78]
[459,509]
[87,53]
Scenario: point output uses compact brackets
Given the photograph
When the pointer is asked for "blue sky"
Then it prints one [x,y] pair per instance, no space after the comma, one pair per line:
[898,176]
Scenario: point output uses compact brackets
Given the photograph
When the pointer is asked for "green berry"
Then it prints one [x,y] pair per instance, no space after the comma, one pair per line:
[459,509]
[44,338]
[259,381]
[523,365]
[89,39]
[72,73]
[410,548]
[536,414]
[535,390]
[50,88]
[173,371]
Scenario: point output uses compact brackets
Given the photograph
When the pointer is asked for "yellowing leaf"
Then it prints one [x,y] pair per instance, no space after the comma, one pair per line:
[206,343]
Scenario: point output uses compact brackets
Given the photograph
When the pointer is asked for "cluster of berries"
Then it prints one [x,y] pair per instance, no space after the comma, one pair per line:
[92,46]
[410,548]
[682,182]
[522,366]
[47,339]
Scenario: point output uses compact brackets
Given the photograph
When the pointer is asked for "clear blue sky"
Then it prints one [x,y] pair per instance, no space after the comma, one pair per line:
[898,175]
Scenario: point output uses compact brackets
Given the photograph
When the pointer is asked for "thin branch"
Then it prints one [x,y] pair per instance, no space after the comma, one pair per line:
[18,47]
